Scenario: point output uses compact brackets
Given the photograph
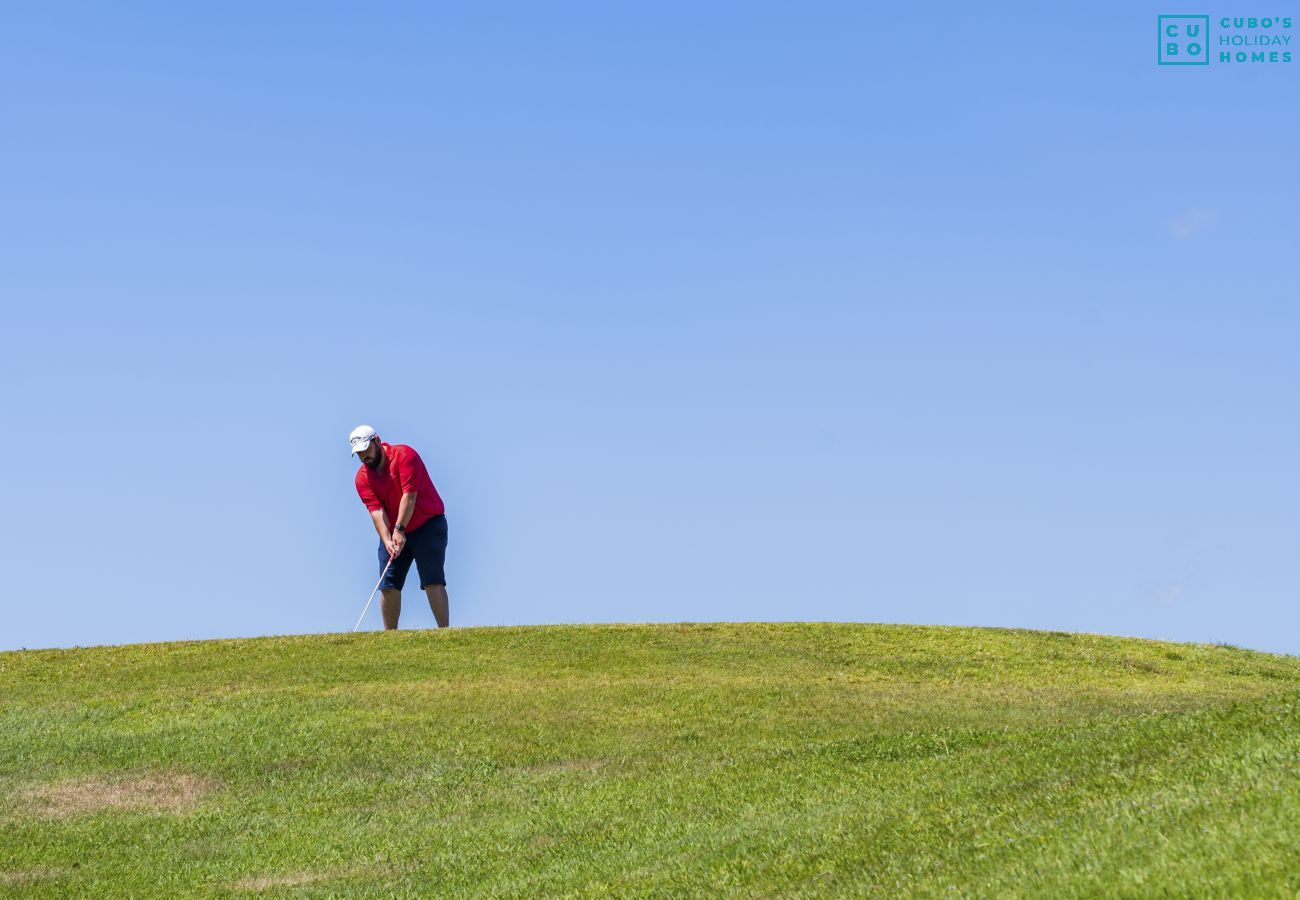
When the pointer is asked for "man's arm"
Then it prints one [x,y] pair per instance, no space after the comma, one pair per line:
[380,520]
[407,465]
[405,509]
[375,508]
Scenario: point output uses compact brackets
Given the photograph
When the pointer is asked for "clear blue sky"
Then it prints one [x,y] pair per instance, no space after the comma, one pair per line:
[695,311]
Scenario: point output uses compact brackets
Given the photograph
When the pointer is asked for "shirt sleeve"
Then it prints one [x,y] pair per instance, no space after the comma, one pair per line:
[409,471]
[367,495]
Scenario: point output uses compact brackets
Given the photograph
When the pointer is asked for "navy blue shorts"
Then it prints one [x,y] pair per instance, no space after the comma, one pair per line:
[426,546]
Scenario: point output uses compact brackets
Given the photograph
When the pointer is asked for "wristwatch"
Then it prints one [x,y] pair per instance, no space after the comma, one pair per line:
[401,528]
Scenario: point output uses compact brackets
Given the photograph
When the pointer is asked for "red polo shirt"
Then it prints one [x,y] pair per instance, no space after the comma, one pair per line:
[401,473]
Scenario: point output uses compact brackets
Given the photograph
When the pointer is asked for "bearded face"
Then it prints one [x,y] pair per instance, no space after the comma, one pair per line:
[373,455]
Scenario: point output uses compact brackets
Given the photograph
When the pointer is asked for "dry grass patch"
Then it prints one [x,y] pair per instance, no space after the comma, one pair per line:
[171,793]
[270,882]
[28,876]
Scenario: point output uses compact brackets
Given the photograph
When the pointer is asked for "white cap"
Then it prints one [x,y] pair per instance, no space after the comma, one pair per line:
[361,437]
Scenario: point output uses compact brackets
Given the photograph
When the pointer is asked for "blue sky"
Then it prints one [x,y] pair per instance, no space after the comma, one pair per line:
[734,311]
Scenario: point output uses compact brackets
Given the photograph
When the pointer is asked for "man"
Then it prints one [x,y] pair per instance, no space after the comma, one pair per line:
[409,516]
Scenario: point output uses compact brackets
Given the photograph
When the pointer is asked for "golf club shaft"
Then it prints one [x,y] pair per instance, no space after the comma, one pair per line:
[372,593]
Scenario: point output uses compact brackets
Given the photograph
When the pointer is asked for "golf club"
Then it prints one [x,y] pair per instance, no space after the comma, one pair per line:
[375,591]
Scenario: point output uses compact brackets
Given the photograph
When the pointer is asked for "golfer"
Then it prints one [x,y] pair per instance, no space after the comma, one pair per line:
[408,515]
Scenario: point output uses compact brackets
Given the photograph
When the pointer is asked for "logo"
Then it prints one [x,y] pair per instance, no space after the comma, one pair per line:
[1182,40]
[1187,41]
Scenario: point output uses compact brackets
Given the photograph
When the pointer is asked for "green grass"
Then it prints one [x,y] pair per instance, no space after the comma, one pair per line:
[791,759]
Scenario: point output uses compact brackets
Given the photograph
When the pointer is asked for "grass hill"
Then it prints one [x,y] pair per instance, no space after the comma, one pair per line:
[789,759]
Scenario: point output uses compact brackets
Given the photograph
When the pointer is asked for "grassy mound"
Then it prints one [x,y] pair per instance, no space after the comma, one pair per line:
[812,759]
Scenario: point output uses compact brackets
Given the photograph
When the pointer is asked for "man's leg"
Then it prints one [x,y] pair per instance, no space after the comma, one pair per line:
[437,602]
[391,607]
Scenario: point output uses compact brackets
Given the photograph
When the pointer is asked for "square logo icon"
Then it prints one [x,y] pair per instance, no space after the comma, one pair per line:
[1184,40]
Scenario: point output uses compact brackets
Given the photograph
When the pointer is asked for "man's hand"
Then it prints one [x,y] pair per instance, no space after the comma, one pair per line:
[396,542]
